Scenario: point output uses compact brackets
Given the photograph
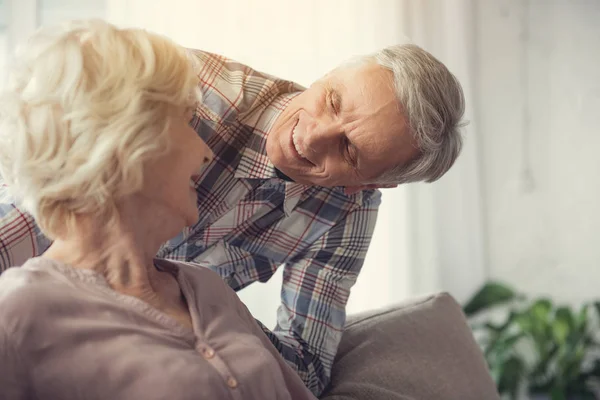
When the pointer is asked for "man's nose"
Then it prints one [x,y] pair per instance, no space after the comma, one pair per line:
[319,137]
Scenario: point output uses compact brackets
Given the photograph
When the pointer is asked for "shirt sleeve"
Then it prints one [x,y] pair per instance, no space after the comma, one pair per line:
[20,236]
[315,292]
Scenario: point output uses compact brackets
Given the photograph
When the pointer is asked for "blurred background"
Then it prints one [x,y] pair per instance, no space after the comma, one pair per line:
[522,203]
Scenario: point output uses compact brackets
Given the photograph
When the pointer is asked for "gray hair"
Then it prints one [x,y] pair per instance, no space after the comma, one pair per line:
[433,102]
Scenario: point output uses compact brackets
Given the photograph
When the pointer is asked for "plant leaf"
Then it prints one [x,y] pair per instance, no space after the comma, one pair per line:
[597,307]
[498,337]
[560,330]
[594,372]
[566,315]
[558,394]
[541,309]
[540,327]
[490,295]
[582,317]
[509,380]
[499,329]
[541,373]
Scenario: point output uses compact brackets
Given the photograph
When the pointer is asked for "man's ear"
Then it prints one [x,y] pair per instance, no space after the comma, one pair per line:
[355,189]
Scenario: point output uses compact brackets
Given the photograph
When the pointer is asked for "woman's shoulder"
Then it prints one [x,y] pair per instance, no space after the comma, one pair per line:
[26,290]
[19,279]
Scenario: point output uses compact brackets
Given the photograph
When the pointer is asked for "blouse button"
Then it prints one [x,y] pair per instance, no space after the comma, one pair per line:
[232,383]
[208,353]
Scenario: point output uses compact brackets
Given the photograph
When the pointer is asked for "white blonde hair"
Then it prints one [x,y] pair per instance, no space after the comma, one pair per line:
[87,106]
[432,100]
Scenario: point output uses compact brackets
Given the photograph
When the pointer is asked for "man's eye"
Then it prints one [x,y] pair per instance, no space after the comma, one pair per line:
[333,103]
[350,152]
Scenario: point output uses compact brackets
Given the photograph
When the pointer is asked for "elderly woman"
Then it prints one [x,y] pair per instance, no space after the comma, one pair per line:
[95,143]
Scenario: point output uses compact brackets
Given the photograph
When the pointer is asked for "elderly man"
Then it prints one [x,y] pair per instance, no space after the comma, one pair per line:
[294,182]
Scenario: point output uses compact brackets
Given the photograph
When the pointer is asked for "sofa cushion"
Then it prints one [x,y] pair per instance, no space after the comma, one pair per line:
[418,350]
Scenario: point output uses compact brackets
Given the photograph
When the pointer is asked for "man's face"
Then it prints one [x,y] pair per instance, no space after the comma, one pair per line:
[345,130]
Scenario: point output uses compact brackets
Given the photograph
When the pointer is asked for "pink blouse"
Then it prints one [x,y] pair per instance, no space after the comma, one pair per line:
[65,334]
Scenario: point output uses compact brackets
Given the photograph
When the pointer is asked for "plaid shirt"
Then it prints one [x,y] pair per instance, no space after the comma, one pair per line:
[252,222]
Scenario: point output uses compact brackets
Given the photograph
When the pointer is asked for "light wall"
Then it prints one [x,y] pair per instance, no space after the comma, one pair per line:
[538,103]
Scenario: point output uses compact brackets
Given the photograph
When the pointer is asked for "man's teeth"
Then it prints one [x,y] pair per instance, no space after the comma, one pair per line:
[296,146]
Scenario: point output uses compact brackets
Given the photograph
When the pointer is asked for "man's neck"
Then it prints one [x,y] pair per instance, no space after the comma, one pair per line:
[282,176]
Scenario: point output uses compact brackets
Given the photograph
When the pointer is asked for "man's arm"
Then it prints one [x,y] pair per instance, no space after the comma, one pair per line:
[315,291]
[20,237]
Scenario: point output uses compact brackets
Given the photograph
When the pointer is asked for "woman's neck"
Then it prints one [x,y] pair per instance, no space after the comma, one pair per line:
[122,252]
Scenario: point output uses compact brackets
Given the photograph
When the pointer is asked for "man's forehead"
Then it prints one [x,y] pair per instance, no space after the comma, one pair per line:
[363,82]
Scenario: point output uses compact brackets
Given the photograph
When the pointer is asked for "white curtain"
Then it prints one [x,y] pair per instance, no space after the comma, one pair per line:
[3,40]
[20,18]
[446,238]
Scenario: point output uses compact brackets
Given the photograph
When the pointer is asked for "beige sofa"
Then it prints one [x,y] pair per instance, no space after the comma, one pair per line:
[419,350]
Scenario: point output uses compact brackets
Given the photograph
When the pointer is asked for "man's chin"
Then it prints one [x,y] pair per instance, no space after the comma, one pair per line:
[296,178]
[309,181]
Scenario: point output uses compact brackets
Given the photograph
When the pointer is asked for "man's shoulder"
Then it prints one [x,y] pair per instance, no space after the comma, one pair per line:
[20,236]
[205,55]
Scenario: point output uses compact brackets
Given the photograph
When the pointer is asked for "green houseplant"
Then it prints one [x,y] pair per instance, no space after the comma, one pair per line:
[535,347]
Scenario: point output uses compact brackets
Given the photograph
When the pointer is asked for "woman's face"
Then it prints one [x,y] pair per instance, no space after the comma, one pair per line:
[169,182]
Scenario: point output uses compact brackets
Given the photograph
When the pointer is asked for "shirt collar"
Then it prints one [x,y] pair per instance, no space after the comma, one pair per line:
[254,163]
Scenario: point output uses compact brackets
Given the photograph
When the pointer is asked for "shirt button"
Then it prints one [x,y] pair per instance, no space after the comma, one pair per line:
[232,382]
[208,353]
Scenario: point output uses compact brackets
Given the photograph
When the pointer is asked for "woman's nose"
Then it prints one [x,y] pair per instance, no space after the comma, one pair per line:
[208,155]
[204,152]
